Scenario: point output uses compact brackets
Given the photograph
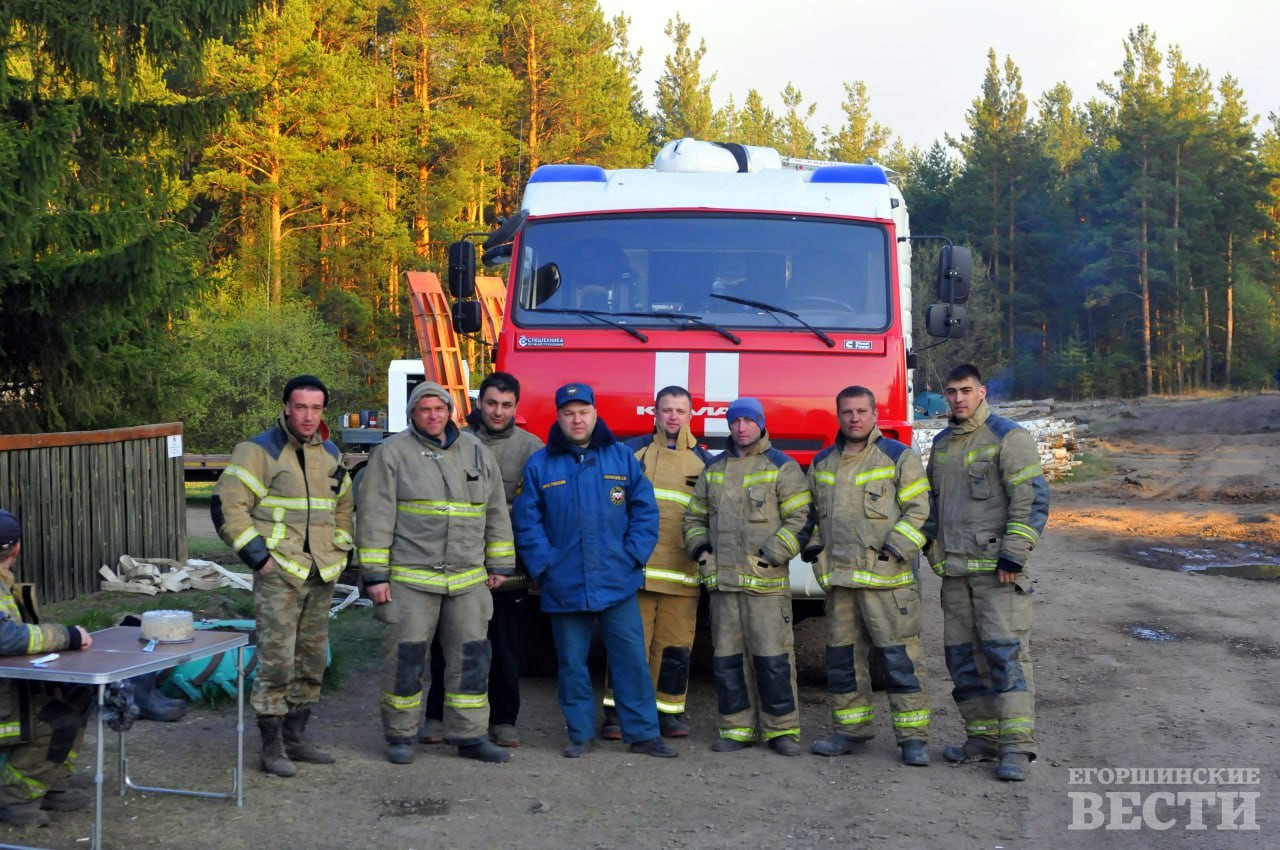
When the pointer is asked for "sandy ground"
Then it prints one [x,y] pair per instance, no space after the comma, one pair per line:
[1136,667]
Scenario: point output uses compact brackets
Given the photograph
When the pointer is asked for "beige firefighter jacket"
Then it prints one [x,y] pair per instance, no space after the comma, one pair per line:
[867,511]
[434,516]
[288,500]
[674,473]
[749,511]
[512,449]
[988,499]
[20,635]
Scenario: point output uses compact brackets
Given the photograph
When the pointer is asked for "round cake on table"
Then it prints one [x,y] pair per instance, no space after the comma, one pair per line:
[168,626]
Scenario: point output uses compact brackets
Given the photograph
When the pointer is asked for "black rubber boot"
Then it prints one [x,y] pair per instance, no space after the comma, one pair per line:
[296,745]
[274,760]
[154,705]
[23,814]
[484,751]
[610,730]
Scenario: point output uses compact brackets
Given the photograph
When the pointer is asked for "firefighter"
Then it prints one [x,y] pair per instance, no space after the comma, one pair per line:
[870,497]
[672,460]
[988,507]
[41,724]
[743,524]
[434,537]
[284,503]
[587,522]
[494,423]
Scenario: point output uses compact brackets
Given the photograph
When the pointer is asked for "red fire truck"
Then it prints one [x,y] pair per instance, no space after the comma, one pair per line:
[724,268]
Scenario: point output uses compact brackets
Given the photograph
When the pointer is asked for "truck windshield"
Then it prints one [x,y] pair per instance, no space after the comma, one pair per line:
[834,274]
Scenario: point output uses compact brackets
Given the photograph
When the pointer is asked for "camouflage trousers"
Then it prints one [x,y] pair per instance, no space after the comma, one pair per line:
[293,641]
[29,770]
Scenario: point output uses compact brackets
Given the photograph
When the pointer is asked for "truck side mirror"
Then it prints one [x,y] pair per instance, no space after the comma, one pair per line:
[462,269]
[497,255]
[466,317]
[955,271]
[945,320]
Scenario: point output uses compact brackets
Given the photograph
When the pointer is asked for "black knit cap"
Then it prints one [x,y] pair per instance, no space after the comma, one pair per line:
[308,381]
[10,529]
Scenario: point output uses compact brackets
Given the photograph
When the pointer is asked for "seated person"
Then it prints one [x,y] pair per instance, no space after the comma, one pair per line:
[41,723]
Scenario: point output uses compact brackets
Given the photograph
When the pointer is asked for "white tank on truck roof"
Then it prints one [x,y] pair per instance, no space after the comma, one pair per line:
[692,155]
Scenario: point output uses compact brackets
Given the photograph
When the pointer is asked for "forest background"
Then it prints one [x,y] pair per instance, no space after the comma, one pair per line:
[200,198]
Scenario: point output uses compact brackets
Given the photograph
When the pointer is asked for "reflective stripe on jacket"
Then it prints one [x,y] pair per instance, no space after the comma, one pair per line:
[512,448]
[433,515]
[988,498]
[868,508]
[21,638]
[283,499]
[751,511]
[674,473]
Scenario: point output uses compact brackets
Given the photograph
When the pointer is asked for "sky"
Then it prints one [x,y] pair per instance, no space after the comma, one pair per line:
[923,60]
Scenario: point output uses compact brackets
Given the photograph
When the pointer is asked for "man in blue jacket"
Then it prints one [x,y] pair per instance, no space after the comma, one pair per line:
[586,521]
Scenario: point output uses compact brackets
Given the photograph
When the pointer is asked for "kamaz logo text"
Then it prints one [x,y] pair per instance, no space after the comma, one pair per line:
[705,410]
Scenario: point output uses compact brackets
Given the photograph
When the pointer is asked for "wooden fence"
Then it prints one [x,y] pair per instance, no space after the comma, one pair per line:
[87,497]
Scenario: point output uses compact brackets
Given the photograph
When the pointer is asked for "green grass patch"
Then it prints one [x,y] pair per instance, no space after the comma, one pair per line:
[199,492]
[355,646]
[103,610]
[1093,468]
[211,549]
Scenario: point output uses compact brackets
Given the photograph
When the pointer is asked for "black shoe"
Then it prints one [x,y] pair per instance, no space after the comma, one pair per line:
[973,749]
[673,726]
[610,730]
[785,745]
[654,747]
[154,705]
[577,749]
[727,745]
[913,753]
[1013,767]
[838,744]
[485,751]
[23,814]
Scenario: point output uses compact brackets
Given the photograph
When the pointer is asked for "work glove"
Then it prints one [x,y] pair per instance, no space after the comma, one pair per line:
[810,554]
[702,550]
[1008,566]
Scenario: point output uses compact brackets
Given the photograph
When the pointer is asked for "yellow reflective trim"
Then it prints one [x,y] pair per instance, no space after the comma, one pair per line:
[878,474]
[10,730]
[608,702]
[906,530]
[35,640]
[940,568]
[877,580]
[499,549]
[293,568]
[672,496]
[1012,724]
[982,565]
[982,727]
[465,701]
[910,719]
[765,476]
[399,703]
[761,583]
[854,716]
[244,538]
[346,485]
[715,477]
[431,507]
[670,707]
[1026,474]
[672,576]
[420,577]
[912,490]
[697,506]
[983,453]
[1019,532]
[246,478]
[372,557]
[286,502]
[278,530]
[739,733]
[710,582]
[691,533]
[824,477]
[769,736]
[795,503]
[789,540]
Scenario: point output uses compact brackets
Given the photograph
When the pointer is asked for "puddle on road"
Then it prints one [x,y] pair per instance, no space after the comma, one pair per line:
[1151,633]
[1241,560]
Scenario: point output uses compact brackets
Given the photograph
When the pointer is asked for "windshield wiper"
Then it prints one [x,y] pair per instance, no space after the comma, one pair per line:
[594,314]
[760,305]
[691,319]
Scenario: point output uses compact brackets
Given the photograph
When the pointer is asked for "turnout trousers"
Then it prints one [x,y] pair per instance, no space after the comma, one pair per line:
[754,665]
[669,625]
[507,628]
[29,770]
[412,618]
[865,620]
[293,641]
[624,644]
[987,634]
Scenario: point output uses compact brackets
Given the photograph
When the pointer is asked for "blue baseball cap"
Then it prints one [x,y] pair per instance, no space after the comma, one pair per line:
[574,392]
[746,408]
[10,528]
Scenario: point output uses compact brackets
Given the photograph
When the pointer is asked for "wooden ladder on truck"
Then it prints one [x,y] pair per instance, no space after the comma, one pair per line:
[441,356]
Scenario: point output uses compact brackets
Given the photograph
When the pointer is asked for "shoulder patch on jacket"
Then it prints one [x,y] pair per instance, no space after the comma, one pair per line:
[825,453]
[639,442]
[938,437]
[333,450]
[272,441]
[778,457]
[891,447]
[703,455]
[1000,426]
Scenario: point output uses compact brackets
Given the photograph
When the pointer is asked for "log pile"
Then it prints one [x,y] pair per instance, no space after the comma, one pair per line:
[1059,440]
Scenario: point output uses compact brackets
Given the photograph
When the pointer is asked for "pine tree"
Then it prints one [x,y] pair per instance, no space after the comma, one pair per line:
[860,138]
[683,97]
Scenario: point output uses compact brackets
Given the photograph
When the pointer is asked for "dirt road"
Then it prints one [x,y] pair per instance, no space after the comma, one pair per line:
[1137,667]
